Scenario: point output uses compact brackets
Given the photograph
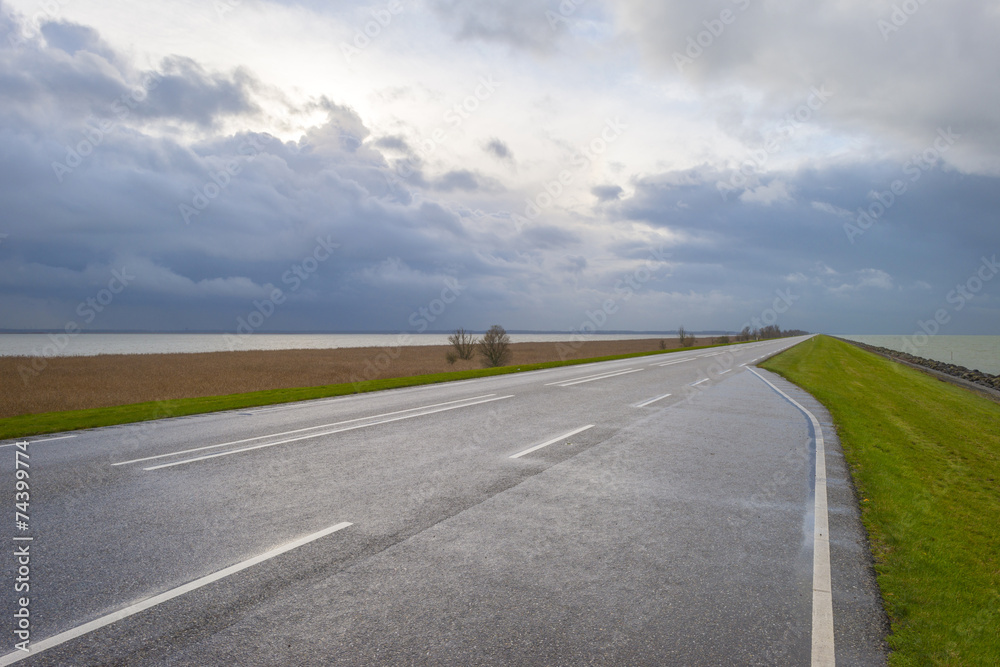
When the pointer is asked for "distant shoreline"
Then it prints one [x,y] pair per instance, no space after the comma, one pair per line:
[52,345]
[436,332]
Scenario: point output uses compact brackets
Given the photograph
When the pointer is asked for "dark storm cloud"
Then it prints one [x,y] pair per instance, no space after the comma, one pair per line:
[500,150]
[67,71]
[202,230]
[606,192]
[461,179]
[106,166]
[464,180]
[902,261]
[393,143]
[71,38]
[550,237]
[184,91]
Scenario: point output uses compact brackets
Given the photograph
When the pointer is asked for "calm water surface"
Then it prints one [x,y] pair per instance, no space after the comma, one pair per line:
[89,344]
[981,353]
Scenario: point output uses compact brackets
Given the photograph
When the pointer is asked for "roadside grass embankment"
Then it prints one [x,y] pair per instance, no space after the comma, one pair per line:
[25,425]
[925,459]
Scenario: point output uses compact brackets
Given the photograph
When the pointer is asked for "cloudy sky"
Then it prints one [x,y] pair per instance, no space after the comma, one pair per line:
[428,164]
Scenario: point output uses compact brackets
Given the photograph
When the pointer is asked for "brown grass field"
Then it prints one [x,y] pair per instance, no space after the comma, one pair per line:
[74,383]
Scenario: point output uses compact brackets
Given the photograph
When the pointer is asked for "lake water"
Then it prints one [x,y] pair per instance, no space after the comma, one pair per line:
[981,353]
[89,344]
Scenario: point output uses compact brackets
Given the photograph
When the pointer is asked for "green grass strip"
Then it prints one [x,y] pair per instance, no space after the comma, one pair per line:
[73,420]
[925,458]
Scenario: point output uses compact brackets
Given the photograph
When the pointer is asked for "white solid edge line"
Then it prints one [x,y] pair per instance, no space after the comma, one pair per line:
[652,400]
[298,430]
[603,377]
[319,435]
[62,637]
[552,441]
[585,377]
[35,442]
[61,437]
[823,653]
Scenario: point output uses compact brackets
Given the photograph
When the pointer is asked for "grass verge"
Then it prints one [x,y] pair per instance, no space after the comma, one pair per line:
[73,420]
[925,458]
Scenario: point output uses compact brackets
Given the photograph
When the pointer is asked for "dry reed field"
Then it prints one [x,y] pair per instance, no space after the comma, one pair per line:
[73,383]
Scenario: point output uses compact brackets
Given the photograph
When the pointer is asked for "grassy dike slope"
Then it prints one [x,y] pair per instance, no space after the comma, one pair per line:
[925,457]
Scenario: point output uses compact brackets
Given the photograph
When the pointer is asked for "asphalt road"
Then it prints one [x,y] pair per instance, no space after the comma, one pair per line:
[650,529]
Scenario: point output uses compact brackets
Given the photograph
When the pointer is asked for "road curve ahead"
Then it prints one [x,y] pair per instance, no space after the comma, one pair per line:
[648,511]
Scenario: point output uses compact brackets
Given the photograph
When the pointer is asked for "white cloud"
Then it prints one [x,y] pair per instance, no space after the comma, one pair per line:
[865,278]
[875,278]
[826,207]
[888,85]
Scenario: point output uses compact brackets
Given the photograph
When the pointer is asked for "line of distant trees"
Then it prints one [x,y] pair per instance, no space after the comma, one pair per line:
[770,331]
[494,350]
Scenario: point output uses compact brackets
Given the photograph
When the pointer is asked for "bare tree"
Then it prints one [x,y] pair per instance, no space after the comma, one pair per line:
[684,339]
[494,348]
[464,344]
